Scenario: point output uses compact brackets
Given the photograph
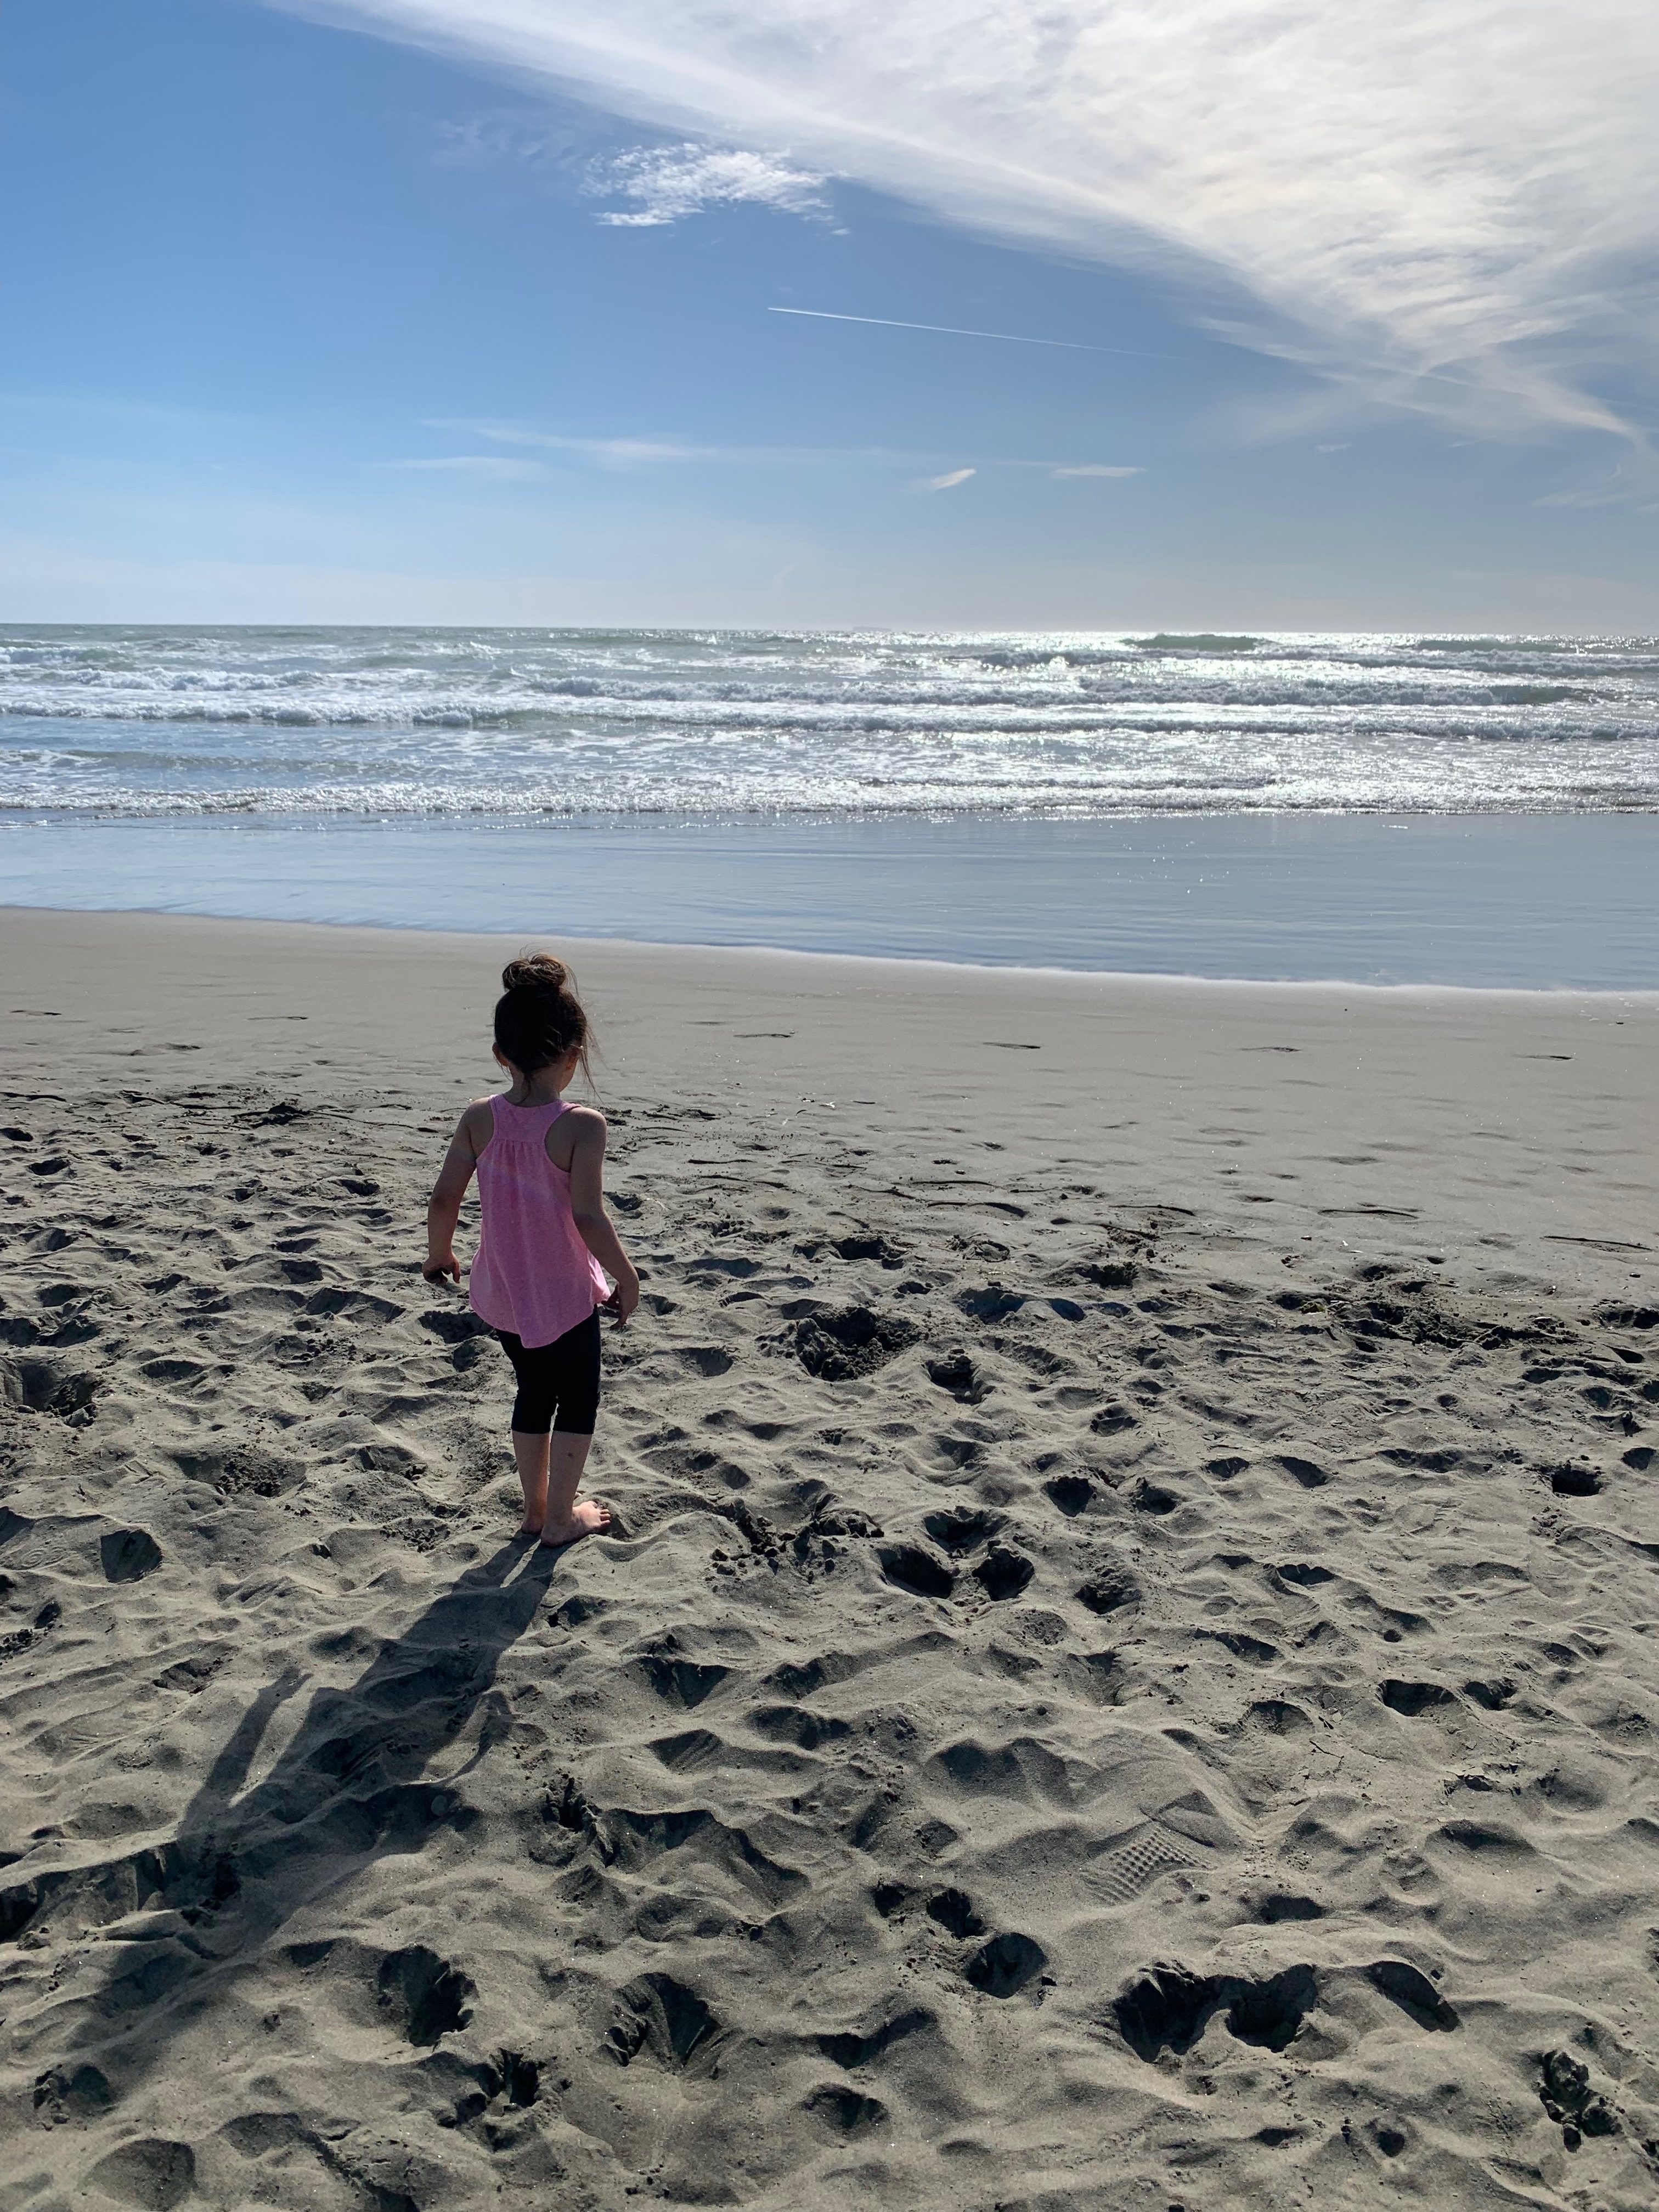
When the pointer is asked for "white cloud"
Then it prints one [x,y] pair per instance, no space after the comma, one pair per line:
[948,481]
[1443,204]
[666,183]
[1094,469]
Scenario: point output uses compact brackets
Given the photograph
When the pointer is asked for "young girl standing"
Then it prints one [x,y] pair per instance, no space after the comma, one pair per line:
[545,1241]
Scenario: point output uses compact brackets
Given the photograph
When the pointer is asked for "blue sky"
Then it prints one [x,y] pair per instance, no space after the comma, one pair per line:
[390,312]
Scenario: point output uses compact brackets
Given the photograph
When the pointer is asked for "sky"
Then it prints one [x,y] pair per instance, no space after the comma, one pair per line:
[1239,313]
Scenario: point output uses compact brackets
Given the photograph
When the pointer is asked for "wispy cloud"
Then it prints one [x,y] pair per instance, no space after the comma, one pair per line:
[506,136]
[953,331]
[497,467]
[667,183]
[1445,205]
[629,452]
[1624,483]
[116,408]
[636,453]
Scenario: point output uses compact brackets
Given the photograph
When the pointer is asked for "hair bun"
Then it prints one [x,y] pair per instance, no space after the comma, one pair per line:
[535,971]
[539,1021]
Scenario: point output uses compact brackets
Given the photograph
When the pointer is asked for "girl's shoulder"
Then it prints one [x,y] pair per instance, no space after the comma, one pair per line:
[477,1123]
[578,1130]
[581,1122]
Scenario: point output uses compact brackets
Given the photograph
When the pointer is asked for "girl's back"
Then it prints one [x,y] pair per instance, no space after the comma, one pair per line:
[533,1273]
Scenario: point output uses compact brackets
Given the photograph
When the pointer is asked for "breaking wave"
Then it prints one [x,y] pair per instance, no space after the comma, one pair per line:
[371,723]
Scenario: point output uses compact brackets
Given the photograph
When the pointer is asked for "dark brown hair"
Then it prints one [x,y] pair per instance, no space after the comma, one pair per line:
[538,1018]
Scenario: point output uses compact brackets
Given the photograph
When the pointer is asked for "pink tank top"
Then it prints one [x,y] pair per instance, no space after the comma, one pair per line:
[532,1273]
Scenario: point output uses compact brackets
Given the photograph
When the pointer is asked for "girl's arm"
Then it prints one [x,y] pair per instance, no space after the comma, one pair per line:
[444,1206]
[598,1230]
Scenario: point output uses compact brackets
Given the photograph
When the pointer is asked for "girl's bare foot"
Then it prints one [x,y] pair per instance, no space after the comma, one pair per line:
[528,1529]
[587,1519]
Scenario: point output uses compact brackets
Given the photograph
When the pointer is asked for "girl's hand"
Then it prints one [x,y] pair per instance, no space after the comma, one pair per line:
[623,1299]
[444,1206]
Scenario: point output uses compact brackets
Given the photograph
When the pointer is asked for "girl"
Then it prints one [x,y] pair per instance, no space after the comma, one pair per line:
[544,1241]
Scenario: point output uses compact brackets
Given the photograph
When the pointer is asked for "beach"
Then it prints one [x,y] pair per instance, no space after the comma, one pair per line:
[1122,1672]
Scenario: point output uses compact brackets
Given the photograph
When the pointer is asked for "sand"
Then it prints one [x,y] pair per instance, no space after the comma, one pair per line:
[1125,1672]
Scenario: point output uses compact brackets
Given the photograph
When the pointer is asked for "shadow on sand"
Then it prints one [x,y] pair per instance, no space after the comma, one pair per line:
[349,1789]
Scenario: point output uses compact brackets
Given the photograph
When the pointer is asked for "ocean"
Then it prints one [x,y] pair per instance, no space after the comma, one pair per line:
[1372,808]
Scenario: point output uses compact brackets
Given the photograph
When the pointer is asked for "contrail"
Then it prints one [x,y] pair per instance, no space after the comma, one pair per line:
[950,331]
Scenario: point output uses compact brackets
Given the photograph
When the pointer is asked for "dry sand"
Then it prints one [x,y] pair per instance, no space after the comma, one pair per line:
[1124,1673]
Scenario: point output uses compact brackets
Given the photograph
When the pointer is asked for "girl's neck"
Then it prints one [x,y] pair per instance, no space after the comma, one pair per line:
[542,1089]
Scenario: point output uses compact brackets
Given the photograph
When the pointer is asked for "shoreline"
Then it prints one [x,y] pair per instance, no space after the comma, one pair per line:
[1482,901]
[1640,997]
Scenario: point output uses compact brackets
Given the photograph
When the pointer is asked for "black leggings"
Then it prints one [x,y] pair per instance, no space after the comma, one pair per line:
[558,1382]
